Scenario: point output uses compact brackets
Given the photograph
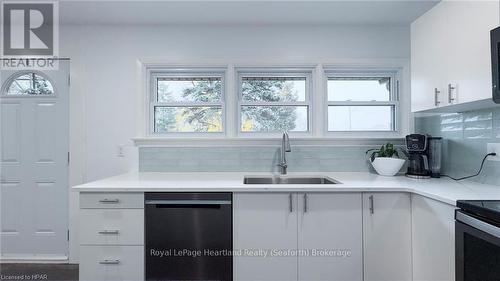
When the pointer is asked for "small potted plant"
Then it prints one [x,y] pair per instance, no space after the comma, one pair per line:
[386,160]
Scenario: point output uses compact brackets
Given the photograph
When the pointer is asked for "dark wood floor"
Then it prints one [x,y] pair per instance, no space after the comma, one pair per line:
[39,272]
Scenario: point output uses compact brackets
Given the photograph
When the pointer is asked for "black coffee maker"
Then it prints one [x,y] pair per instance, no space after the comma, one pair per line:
[418,160]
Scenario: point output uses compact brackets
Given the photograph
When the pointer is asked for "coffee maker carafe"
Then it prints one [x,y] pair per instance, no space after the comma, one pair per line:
[418,160]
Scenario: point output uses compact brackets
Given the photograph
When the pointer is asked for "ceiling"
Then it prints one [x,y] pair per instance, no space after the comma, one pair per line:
[383,12]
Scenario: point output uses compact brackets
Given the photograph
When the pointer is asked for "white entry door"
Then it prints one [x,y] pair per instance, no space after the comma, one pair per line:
[34,163]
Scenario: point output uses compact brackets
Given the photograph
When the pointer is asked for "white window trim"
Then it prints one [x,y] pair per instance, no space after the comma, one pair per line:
[306,72]
[318,134]
[396,76]
[154,74]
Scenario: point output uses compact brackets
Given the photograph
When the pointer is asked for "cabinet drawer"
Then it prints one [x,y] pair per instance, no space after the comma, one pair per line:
[111,227]
[98,200]
[109,263]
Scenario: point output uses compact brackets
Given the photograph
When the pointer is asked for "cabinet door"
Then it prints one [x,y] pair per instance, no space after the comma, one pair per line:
[332,224]
[263,223]
[428,58]
[387,236]
[433,232]
[469,69]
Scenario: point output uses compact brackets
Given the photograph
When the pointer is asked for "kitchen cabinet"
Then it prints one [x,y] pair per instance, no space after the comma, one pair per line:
[428,58]
[313,236]
[266,222]
[387,236]
[330,229]
[433,235]
[450,54]
[112,236]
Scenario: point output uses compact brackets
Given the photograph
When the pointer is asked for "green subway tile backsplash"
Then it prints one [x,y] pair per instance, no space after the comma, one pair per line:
[465,138]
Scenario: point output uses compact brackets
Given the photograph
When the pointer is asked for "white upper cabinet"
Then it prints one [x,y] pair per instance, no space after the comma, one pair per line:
[428,58]
[450,53]
[387,237]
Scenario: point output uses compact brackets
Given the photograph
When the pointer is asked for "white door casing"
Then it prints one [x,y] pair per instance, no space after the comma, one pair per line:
[34,169]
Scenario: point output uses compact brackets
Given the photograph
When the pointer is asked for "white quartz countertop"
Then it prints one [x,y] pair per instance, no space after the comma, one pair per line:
[443,189]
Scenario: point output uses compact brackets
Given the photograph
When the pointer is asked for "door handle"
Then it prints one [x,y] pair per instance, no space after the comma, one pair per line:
[109,262]
[109,201]
[451,88]
[290,203]
[436,96]
[115,232]
[305,202]
[372,209]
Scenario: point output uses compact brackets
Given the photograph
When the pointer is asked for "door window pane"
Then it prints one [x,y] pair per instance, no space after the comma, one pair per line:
[30,84]
[359,89]
[361,118]
[274,118]
[187,119]
[273,89]
[189,89]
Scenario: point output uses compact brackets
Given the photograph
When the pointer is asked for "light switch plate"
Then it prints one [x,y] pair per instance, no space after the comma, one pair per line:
[493,147]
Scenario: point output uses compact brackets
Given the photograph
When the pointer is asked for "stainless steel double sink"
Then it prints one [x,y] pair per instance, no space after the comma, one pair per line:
[288,180]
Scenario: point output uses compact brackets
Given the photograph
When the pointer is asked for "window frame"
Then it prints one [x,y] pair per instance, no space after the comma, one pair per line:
[284,72]
[153,76]
[395,101]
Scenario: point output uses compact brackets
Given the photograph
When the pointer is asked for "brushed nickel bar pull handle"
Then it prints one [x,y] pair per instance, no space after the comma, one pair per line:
[109,262]
[109,201]
[305,202]
[451,88]
[436,96]
[290,202]
[115,232]
[372,209]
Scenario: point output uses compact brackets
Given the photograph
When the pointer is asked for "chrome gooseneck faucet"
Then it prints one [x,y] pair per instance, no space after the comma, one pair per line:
[285,147]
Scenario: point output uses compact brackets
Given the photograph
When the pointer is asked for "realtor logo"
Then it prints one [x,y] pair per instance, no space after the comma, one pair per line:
[30,29]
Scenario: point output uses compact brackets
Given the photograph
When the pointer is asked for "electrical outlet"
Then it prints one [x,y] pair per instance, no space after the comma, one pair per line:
[493,147]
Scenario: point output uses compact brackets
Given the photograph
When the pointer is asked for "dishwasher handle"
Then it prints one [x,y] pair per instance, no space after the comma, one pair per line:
[188,203]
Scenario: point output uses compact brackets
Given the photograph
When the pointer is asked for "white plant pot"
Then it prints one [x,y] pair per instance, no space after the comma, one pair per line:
[387,166]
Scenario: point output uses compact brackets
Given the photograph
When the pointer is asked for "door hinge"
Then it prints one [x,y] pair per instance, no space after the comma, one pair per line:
[69,80]
[68,234]
[68,158]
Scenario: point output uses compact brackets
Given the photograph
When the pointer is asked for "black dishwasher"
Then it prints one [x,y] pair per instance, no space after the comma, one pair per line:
[188,236]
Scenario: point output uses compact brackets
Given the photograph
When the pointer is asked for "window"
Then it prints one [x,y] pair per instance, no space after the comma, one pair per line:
[187,103]
[271,102]
[30,84]
[358,102]
[264,101]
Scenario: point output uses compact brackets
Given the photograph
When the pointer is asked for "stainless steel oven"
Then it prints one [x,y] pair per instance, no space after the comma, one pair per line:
[477,241]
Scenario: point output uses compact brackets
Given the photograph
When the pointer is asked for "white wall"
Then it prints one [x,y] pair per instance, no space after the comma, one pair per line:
[105,80]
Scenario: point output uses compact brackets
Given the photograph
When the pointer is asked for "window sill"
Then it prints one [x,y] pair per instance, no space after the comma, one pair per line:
[240,141]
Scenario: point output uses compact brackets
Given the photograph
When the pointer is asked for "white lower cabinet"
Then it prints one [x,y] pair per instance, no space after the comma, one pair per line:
[330,229]
[387,237]
[112,227]
[314,236]
[111,263]
[433,232]
[267,222]
[111,236]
